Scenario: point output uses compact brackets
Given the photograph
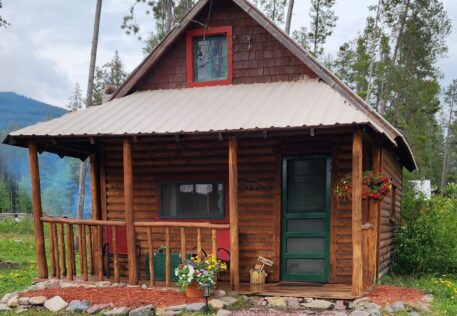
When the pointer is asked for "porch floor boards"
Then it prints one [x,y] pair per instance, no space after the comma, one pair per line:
[325,291]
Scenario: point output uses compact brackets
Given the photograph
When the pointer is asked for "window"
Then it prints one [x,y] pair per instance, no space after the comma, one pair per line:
[209,56]
[200,199]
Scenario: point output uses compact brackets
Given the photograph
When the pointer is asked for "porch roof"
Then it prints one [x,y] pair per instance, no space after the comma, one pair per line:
[294,104]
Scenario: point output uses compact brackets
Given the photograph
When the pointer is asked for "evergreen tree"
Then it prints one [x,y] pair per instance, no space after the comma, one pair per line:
[3,22]
[323,21]
[301,37]
[449,119]
[111,73]
[76,101]
[274,9]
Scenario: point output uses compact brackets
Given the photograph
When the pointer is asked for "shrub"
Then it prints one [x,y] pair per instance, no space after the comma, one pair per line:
[426,236]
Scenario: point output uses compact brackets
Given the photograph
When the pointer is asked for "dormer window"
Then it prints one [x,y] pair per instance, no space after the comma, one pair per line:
[209,56]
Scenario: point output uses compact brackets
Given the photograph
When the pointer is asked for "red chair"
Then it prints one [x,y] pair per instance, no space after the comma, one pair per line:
[223,245]
[122,250]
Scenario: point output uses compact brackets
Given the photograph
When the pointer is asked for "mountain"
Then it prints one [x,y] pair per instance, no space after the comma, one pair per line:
[58,177]
[17,111]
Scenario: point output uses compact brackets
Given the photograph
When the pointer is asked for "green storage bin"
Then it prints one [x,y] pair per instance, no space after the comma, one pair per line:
[159,266]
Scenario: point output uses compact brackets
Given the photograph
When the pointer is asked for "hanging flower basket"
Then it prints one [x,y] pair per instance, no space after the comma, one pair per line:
[374,187]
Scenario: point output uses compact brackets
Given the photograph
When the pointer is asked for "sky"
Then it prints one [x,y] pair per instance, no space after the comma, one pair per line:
[46,49]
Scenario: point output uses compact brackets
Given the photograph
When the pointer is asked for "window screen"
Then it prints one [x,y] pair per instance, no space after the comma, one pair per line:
[210,58]
[202,199]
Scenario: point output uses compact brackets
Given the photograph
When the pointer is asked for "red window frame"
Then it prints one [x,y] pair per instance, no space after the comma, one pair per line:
[211,31]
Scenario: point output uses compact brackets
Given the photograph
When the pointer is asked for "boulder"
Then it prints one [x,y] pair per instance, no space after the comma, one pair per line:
[104,284]
[229,300]
[4,308]
[53,284]
[223,312]
[260,301]
[21,309]
[388,309]
[276,301]
[216,304]
[360,303]
[293,302]
[77,306]
[148,310]
[7,297]
[55,304]
[359,313]
[219,293]
[427,298]
[339,305]
[398,307]
[37,300]
[318,304]
[23,300]
[144,286]
[97,308]
[195,307]
[13,302]
[118,311]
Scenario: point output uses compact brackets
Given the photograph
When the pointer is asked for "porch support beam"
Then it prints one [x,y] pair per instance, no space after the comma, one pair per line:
[374,218]
[37,211]
[233,211]
[96,214]
[357,259]
[129,216]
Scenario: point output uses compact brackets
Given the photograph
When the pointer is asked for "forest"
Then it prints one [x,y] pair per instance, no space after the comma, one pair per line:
[391,63]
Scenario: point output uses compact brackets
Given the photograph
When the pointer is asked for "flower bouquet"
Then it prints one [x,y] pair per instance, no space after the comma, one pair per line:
[374,187]
[194,273]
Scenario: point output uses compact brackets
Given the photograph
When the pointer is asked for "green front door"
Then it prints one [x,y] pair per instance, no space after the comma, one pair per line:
[305,218]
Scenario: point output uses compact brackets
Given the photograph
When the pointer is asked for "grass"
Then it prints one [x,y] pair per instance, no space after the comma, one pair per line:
[443,288]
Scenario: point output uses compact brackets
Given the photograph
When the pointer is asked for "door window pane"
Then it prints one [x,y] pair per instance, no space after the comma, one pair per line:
[192,200]
[308,266]
[306,225]
[210,58]
[306,245]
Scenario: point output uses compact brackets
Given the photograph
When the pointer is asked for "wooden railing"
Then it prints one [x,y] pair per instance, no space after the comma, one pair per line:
[90,234]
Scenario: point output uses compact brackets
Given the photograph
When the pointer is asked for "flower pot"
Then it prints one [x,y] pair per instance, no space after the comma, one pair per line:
[194,291]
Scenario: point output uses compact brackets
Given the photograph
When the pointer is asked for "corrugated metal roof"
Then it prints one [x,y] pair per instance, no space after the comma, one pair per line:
[308,102]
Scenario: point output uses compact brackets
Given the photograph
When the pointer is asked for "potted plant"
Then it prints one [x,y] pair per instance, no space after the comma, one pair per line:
[374,187]
[194,273]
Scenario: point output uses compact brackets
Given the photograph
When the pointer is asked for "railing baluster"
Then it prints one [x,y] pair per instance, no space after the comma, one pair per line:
[151,258]
[214,242]
[51,250]
[183,244]
[99,246]
[71,271]
[56,250]
[63,269]
[80,247]
[199,243]
[116,257]
[167,256]
[90,250]
[83,253]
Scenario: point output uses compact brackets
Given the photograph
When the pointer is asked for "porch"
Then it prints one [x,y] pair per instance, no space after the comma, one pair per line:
[144,234]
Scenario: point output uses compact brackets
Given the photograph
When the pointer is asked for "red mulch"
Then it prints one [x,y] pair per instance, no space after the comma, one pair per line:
[388,294]
[130,297]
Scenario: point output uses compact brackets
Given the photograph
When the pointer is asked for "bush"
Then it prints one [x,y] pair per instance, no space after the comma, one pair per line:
[426,237]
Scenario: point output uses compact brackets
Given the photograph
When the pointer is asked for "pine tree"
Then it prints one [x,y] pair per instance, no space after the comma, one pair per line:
[111,73]
[274,9]
[450,111]
[76,101]
[323,21]
[301,37]
[3,22]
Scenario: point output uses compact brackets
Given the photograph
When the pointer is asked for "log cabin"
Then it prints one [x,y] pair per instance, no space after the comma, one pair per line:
[228,136]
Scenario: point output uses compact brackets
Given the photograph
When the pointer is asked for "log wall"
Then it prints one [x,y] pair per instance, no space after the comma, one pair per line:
[259,209]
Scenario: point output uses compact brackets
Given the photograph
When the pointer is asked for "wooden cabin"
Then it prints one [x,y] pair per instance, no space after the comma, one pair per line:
[227,133]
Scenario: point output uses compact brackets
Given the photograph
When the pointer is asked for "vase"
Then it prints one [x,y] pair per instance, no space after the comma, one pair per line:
[194,291]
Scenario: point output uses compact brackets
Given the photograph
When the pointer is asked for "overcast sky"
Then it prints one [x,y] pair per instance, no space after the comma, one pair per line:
[46,48]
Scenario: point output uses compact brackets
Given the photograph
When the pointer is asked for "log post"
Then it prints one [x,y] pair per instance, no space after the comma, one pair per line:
[374,218]
[37,212]
[357,260]
[96,214]
[233,212]
[129,216]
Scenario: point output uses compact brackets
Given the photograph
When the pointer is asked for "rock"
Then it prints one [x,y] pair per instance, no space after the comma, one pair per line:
[104,284]
[118,311]
[195,307]
[97,308]
[339,305]
[359,313]
[144,286]
[77,306]
[276,301]
[398,307]
[13,302]
[23,301]
[359,303]
[216,304]
[388,309]
[37,300]
[179,308]
[21,309]
[65,285]
[293,302]
[259,301]
[52,284]
[339,313]
[373,312]
[229,300]
[223,312]
[7,297]
[318,304]
[218,293]
[4,308]
[55,304]
[427,298]
[413,313]
[148,310]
